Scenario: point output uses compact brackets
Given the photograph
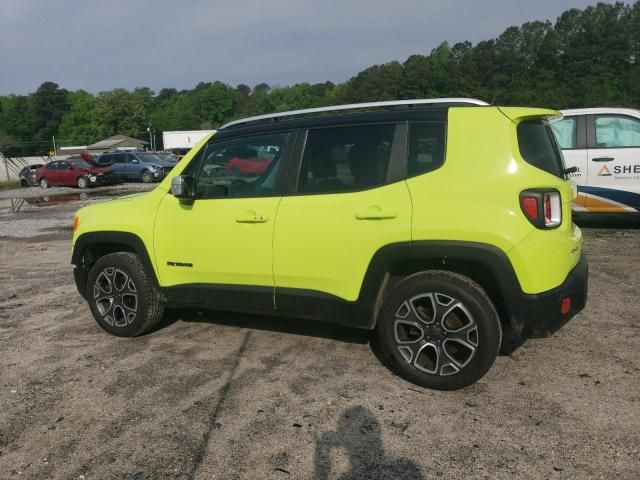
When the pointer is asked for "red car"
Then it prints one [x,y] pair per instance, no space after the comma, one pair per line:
[73,172]
[248,162]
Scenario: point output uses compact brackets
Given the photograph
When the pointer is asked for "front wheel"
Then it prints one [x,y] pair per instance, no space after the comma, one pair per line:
[122,298]
[147,177]
[439,330]
[82,182]
[44,183]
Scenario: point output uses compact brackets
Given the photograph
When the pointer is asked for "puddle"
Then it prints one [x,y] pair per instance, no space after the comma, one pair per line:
[29,204]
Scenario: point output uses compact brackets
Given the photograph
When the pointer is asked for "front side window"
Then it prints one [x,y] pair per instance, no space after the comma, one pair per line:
[616,131]
[566,132]
[539,148]
[343,159]
[426,147]
[245,167]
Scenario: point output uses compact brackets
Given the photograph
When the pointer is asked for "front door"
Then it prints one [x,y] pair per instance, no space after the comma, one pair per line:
[614,164]
[218,249]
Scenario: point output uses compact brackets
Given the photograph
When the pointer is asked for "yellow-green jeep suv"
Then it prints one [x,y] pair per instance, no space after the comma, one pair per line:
[443,224]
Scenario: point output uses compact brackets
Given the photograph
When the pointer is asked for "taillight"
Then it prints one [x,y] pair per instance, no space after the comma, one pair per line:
[543,208]
[75,223]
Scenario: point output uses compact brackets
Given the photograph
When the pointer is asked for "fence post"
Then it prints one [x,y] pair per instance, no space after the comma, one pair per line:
[6,167]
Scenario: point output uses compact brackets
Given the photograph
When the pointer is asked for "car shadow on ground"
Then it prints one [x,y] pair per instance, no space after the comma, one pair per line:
[293,326]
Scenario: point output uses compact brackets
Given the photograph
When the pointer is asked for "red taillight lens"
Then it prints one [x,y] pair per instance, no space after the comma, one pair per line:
[543,208]
[530,207]
[75,223]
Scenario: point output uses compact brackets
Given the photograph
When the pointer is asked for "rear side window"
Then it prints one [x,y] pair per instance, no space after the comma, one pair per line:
[539,148]
[345,159]
[426,147]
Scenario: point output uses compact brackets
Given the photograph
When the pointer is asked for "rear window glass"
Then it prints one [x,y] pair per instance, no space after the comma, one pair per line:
[539,148]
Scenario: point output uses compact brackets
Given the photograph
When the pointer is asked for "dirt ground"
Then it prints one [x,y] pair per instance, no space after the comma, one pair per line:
[219,395]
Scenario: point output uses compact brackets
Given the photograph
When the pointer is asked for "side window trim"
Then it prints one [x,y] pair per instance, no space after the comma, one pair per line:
[581,134]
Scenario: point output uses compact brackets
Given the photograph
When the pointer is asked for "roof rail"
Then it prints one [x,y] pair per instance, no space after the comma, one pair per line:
[358,106]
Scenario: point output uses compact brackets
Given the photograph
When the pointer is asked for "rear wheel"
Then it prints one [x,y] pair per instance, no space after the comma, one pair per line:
[44,183]
[82,182]
[147,177]
[439,330]
[123,299]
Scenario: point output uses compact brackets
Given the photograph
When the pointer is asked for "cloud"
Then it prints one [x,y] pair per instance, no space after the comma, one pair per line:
[99,45]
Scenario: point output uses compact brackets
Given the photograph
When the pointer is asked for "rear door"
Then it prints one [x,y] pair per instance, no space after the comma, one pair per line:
[614,163]
[571,133]
[119,165]
[346,201]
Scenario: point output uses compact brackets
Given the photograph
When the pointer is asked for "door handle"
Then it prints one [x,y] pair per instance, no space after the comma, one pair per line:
[603,159]
[251,218]
[376,213]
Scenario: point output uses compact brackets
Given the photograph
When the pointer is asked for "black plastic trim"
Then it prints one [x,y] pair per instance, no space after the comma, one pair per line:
[244,298]
[108,239]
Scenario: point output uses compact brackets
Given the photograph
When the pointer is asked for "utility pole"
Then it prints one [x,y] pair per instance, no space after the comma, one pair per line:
[150,137]
[55,150]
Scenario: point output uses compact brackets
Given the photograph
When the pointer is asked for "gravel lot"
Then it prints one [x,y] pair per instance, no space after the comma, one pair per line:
[220,395]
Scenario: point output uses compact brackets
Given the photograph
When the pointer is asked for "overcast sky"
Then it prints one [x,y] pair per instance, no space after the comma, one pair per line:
[99,45]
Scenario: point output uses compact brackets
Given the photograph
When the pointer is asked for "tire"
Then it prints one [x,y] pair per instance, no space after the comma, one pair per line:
[82,182]
[122,298]
[24,183]
[147,177]
[439,330]
[44,183]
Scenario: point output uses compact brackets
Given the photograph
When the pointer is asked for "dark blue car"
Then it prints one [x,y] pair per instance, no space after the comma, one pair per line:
[136,166]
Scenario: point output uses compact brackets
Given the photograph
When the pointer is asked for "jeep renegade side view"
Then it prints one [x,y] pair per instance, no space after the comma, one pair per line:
[445,225]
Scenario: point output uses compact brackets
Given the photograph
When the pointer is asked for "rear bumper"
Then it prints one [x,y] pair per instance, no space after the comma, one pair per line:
[540,315]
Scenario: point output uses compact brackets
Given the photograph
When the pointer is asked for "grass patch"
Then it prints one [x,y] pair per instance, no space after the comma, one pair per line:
[4,185]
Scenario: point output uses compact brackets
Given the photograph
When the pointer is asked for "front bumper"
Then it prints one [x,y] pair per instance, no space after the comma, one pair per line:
[540,315]
[80,274]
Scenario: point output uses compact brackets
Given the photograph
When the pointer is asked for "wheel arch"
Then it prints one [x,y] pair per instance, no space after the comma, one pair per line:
[485,264]
[90,246]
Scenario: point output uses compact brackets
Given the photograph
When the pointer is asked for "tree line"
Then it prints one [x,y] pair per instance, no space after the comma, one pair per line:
[585,58]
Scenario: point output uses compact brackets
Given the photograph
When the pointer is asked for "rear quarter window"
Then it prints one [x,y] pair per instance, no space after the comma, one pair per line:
[539,147]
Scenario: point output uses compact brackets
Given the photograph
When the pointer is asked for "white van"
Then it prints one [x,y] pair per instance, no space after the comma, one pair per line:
[604,145]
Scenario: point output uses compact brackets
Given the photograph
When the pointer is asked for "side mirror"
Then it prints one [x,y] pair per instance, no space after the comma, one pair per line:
[183,187]
[135,160]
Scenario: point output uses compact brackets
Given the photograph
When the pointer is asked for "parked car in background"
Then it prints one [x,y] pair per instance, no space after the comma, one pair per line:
[249,160]
[73,172]
[603,144]
[137,166]
[28,175]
